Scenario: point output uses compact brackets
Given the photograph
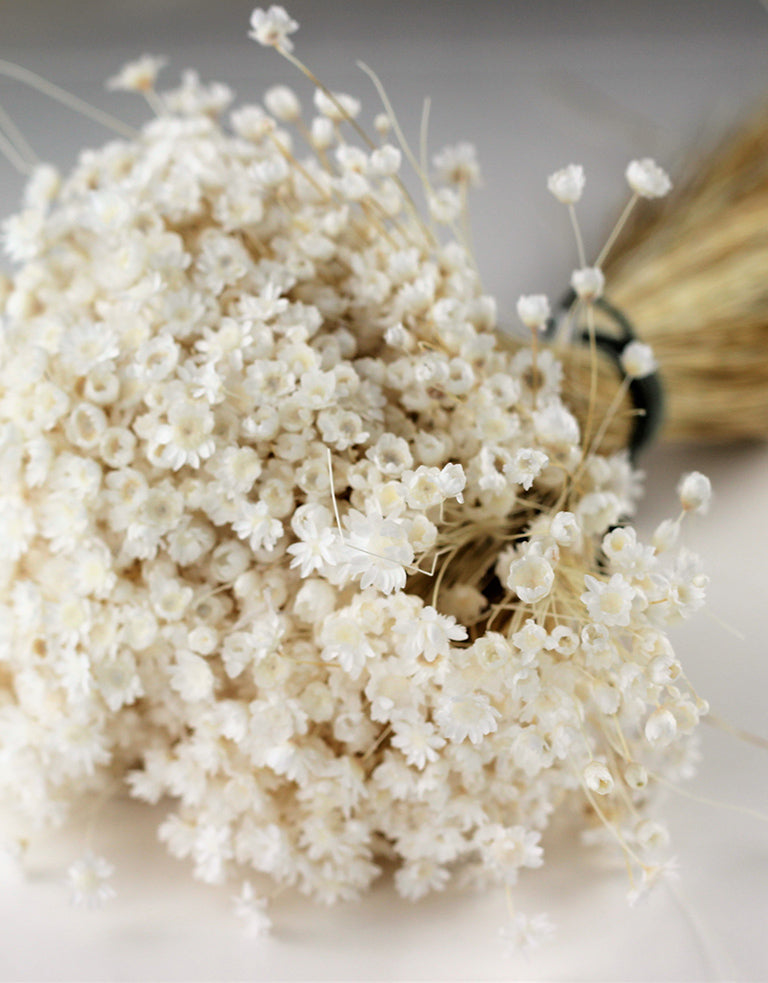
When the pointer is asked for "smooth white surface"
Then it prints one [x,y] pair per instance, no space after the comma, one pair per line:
[597,83]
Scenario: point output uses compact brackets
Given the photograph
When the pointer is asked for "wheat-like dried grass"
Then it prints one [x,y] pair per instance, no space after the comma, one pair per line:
[691,275]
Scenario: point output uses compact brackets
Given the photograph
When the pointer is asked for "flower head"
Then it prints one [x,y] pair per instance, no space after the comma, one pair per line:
[588,283]
[695,491]
[252,911]
[271,27]
[89,881]
[139,75]
[637,360]
[531,577]
[567,184]
[609,603]
[525,932]
[647,179]
[458,164]
[533,310]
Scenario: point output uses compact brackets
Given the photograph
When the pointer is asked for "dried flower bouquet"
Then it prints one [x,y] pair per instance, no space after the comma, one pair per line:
[292,540]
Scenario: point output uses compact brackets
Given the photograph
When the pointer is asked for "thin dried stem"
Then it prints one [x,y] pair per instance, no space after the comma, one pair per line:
[17,138]
[11,70]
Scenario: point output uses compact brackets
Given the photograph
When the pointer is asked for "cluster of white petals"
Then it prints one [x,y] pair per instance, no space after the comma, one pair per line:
[290,540]
[638,360]
[567,184]
[138,76]
[534,310]
[647,179]
[588,283]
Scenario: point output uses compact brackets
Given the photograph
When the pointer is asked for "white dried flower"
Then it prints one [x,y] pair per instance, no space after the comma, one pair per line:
[525,932]
[695,491]
[660,728]
[458,164]
[666,535]
[609,603]
[531,578]
[636,776]
[588,283]
[638,360]
[598,778]
[89,881]
[445,205]
[565,529]
[647,179]
[271,27]
[467,717]
[139,75]
[533,310]
[567,184]
[526,466]
[385,161]
[252,912]
[283,103]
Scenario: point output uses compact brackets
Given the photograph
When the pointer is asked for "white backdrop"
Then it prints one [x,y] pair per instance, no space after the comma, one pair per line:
[534,86]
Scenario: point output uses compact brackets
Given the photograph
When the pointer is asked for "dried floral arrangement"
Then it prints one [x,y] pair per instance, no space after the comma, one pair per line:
[293,540]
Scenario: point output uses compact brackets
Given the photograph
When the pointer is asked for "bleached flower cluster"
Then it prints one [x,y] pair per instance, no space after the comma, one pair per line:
[290,540]
[647,179]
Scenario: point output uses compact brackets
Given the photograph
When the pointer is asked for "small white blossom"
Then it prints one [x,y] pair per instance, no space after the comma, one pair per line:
[89,881]
[567,184]
[458,164]
[417,877]
[533,310]
[429,634]
[470,716]
[391,454]
[660,728]
[282,103]
[452,481]
[251,910]
[524,932]
[588,283]
[255,524]
[565,529]
[636,776]
[666,535]
[526,466]
[598,778]
[192,677]
[385,161]
[647,179]
[139,75]
[609,603]
[695,492]
[507,849]
[418,741]
[317,548]
[530,640]
[650,876]
[445,205]
[637,360]
[272,27]
[186,438]
[531,578]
